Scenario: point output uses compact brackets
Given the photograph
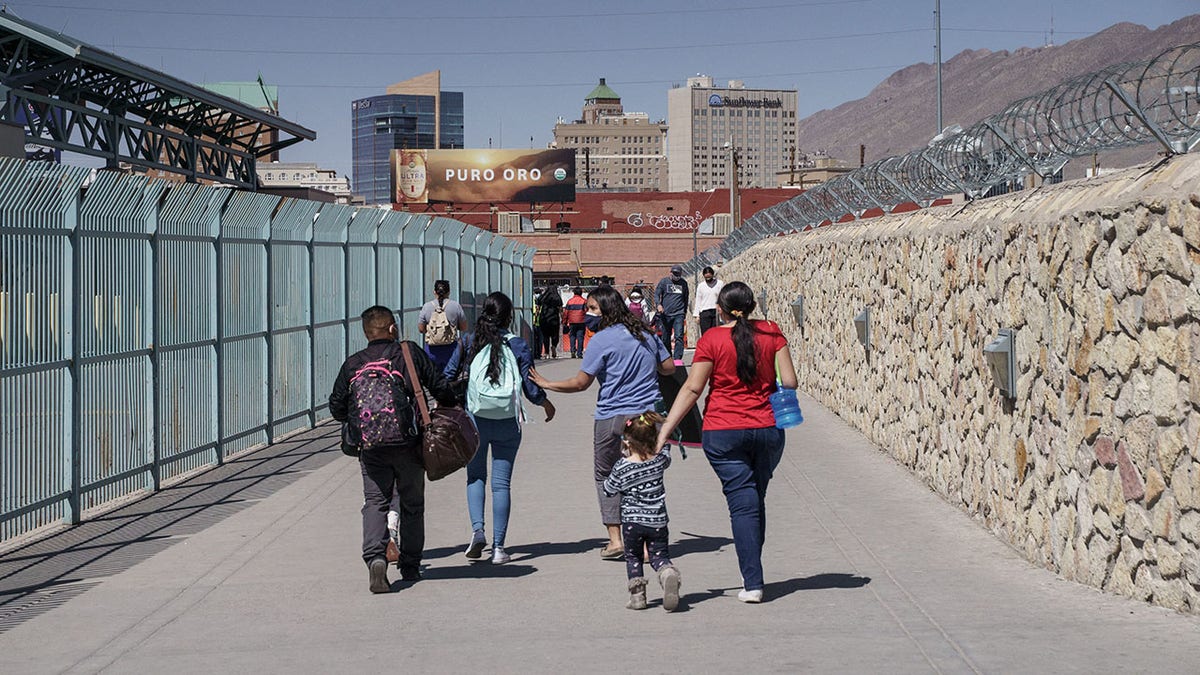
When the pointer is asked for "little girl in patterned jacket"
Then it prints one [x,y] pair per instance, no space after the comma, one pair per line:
[638,478]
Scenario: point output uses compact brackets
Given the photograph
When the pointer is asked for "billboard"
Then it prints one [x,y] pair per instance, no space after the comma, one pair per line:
[481,176]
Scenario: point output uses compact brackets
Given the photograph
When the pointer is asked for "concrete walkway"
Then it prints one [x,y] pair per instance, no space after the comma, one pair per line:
[254,567]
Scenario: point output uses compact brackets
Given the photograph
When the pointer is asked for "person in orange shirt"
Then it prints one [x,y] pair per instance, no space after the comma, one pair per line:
[575,320]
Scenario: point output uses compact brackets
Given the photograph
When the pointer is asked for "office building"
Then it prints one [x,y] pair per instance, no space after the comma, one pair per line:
[299,178]
[705,119]
[414,114]
[614,150]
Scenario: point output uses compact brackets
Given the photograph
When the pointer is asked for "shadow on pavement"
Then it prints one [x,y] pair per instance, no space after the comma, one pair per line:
[697,543]
[545,548]
[47,572]
[523,552]
[686,600]
[779,589]
[479,570]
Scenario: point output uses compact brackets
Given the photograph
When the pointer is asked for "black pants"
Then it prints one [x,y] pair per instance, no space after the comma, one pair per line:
[384,471]
[708,319]
[634,536]
[547,342]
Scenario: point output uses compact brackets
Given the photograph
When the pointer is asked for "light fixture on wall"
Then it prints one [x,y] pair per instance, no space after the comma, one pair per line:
[862,326]
[1001,357]
[798,311]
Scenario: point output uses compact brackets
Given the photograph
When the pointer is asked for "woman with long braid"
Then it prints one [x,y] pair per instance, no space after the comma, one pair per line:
[739,361]
[502,436]
[627,358]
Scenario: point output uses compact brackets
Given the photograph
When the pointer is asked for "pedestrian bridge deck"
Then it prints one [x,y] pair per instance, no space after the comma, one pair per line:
[254,566]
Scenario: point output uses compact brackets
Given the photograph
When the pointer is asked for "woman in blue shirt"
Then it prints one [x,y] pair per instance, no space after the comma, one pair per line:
[627,358]
[503,436]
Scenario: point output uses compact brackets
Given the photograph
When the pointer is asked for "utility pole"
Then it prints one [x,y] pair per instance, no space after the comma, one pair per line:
[937,11]
[733,187]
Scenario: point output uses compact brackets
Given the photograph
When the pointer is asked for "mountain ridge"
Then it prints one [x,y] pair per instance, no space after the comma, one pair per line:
[899,114]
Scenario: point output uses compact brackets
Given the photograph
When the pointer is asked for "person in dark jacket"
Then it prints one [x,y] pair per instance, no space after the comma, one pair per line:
[390,469]
[671,303]
[549,322]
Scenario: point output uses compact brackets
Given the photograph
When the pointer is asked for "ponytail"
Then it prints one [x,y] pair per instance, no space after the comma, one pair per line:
[736,300]
[490,329]
[743,345]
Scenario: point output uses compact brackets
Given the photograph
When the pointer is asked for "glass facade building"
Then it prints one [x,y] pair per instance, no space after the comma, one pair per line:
[389,122]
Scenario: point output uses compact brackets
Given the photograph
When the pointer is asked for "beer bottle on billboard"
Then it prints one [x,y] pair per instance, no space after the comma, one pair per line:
[413,186]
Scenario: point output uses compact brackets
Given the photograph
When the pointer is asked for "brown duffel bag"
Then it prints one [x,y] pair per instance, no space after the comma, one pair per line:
[449,438]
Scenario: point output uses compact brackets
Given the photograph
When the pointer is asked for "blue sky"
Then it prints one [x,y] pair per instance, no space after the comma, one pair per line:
[522,65]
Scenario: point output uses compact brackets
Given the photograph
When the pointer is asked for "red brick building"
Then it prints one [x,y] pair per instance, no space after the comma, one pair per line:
[633,237]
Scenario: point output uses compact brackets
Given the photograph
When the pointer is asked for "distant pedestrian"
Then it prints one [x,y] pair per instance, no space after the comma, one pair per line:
[373,395]
[739,362]
[498,365]
[705,307]
[550,322]
[575,320]
[671,302]
[441,320]
[637,305]
[626,357]
[638,479]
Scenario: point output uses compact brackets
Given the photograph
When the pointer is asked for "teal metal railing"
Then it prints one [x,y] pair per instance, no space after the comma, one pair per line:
[149,330]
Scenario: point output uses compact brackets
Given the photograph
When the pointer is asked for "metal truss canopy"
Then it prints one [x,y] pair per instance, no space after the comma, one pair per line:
[71,96]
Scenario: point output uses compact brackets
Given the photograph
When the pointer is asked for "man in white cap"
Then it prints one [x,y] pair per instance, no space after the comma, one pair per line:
[671,301]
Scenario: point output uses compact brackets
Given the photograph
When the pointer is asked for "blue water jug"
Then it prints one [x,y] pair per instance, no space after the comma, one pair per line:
[786,408]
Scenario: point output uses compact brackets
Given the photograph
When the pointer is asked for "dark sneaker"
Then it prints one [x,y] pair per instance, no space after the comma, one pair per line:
[410,573]
[378,572]
[478,543]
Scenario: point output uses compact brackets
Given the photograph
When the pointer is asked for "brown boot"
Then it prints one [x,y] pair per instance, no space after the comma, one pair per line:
[668,578]
[637,593]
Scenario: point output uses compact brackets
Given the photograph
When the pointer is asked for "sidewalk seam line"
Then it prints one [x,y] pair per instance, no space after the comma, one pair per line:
[946,636]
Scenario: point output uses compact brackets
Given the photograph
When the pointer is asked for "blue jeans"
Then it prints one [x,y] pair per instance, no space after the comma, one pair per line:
[576,340]
[673,324]
[504,438]
[744,460]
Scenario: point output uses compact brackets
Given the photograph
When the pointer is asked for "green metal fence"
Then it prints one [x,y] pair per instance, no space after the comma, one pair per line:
[150,329]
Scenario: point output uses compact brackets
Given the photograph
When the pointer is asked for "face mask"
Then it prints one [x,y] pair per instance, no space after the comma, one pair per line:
[592,321]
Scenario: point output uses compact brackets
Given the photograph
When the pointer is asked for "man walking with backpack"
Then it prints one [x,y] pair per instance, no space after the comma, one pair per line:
[374,396]
[440,321]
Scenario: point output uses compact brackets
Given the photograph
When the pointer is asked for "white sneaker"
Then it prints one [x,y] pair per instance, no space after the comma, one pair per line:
[750,596]
[475,548]
[500,556]
[393,520]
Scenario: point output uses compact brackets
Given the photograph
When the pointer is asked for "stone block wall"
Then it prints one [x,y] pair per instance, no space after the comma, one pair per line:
[1094,470]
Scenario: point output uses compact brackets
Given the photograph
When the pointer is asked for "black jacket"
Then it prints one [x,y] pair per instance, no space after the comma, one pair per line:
[432,379]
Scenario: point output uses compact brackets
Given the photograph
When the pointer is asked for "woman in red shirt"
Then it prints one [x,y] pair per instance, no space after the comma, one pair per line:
[737,361]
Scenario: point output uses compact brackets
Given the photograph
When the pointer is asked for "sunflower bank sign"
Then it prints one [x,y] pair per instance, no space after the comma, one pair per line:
[719,101]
